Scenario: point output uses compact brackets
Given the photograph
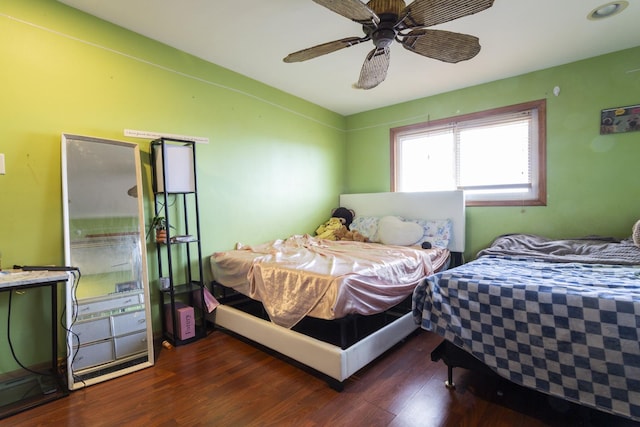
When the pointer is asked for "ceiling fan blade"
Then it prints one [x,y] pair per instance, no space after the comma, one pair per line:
[442,45]
[374,69]
[351,9]
[425,13]
[323,49]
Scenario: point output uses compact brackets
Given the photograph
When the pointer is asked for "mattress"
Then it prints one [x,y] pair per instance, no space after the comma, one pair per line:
[305,276]
[568,329]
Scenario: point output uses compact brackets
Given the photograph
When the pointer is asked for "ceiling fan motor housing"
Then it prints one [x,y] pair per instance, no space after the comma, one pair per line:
[388,11]
[383,37]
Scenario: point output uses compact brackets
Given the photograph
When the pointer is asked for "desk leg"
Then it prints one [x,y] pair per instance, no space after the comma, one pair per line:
[54,330]
[52,385]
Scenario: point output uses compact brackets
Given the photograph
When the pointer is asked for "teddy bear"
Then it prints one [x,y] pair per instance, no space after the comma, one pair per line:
[343,233]
[346,215]
[328,229]
[337,227]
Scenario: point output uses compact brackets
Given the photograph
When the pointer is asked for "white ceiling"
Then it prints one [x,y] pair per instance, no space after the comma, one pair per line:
[251,37]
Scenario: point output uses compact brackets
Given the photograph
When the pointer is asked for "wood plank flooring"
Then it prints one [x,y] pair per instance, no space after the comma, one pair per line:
[224,381]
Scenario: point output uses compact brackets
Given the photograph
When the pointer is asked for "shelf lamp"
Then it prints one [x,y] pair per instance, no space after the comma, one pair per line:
[178,159]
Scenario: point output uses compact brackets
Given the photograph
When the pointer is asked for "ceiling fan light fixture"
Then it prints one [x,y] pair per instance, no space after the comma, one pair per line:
[386,21]
[607,10]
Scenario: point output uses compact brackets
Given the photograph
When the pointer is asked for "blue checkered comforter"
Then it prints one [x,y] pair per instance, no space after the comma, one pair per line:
[567,329]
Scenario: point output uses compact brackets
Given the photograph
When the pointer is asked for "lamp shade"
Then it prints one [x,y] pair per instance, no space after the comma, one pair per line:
[179,174]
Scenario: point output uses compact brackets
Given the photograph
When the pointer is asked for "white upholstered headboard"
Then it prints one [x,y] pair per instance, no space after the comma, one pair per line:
[420,205]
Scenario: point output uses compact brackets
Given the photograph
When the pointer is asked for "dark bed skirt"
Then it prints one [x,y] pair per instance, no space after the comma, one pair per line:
[343,332]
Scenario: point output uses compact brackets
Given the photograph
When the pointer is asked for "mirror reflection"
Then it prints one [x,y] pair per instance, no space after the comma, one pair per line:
[108,312]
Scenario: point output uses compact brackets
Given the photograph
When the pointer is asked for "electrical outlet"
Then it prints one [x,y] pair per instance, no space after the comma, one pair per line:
[2,171]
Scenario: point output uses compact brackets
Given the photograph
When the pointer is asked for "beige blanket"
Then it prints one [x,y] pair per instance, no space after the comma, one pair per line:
[292,276]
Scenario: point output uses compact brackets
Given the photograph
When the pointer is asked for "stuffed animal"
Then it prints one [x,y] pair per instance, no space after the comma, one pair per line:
[345,234]
[346,215]
[328,229]
[337,227]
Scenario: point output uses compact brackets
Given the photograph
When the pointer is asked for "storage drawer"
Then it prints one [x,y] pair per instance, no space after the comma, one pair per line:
[93,355]
[131,344]
[93,330]
[129,322]
[97,306]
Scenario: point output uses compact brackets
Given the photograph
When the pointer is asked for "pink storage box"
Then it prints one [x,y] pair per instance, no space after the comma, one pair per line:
[185,320]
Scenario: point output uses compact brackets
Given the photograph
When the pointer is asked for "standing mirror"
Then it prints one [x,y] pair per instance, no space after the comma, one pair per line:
[108,316]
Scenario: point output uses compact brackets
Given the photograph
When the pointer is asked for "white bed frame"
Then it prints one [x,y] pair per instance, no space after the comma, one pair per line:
[334,362]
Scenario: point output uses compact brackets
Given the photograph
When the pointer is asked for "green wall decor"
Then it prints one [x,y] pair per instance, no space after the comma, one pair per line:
[620,119]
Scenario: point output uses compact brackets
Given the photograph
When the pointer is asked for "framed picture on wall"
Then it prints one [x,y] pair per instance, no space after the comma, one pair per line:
[620,119]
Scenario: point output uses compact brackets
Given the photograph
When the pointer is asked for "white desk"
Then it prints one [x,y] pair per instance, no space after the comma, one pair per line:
[18,278]
[51,386]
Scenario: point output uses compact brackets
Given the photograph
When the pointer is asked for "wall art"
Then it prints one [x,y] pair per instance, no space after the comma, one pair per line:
[620,119]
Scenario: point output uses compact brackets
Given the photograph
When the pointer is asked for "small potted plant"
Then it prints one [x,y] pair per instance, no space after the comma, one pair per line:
[159,224]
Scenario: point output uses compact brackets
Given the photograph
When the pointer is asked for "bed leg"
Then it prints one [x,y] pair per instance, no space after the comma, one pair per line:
[355,328]
[335,384]
[345,323]
[343,334]
[449,383]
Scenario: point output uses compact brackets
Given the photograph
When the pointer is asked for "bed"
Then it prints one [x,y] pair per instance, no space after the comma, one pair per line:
[346,301]
[558,316]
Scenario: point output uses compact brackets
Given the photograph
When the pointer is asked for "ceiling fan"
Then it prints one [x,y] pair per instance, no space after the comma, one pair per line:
[384,21]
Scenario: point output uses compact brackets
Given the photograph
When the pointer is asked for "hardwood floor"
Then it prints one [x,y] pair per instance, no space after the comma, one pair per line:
[224,381]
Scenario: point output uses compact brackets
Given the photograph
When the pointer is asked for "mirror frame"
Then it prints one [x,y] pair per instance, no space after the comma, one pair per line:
[115,368]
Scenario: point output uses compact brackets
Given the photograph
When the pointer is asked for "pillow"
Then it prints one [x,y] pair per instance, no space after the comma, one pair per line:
[437,232]
[367,226]
[392,230]
[636,233]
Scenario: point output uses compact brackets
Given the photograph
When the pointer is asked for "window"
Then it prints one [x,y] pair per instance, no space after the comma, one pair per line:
[497,156]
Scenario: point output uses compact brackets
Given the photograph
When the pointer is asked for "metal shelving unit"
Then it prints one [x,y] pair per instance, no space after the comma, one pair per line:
[180,255]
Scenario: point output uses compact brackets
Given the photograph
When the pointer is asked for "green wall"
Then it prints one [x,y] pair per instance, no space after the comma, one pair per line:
[592,179]
[274,164]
